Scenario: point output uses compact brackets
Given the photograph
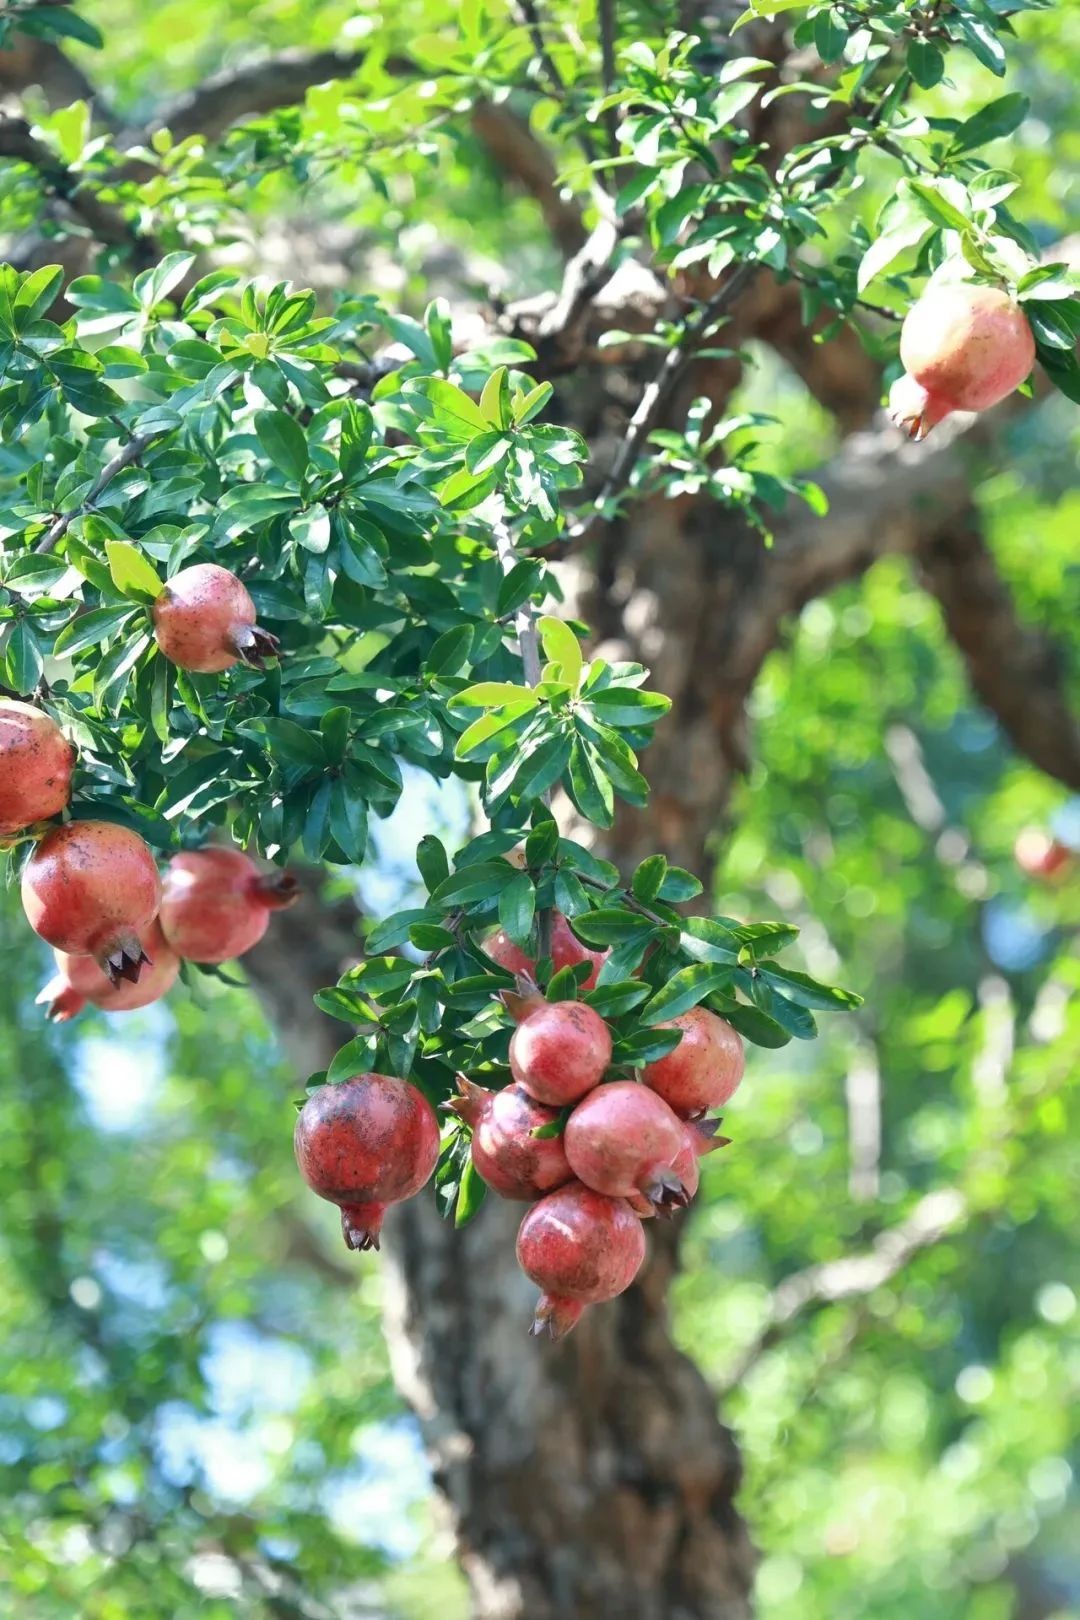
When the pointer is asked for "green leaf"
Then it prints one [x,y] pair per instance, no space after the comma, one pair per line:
[334,726]
[132,574]
[648,880]
[432,861]
[91,629]
[588,785]
[611,925]
[472,1190]
[679,884]
[317,821]
[937,208]
[830,34]
[571,896]
[494,695]
[480,881]
[355,1057]
[686,989]
[562,648]
[37,293]
[495,399]
[889,246]
[1050,326]
[626,707]
[23,661]
[983,43]
[807,992]
[282,437]
[926,63]
[348,819]
[517,907]
[990,123]
[311,529]
[450,652]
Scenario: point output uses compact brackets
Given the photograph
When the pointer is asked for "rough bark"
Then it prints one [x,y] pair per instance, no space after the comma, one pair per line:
[589,1479]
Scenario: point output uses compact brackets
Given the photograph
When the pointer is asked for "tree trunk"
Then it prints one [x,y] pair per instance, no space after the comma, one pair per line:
[590,1479]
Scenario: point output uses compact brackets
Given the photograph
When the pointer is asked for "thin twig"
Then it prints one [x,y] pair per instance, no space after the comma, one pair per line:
[123,458]
[607,71]
[676,362]
[530,16]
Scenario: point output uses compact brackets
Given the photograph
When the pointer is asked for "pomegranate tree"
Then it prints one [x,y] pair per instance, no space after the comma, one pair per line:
[204,621]
[506,1151]
[36,762]
[579,1247]
[364,1144]
[90,889]
[216,902]
[624,1140]
[559,1050]
[964,347]
[78,979]
[706,1067]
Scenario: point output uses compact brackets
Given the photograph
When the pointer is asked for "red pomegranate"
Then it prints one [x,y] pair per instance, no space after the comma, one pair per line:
[36,762]
[364,1144]
[204,621]
[579,1248]
[964,348]
[624,1140]
[566,951]
[704,1070]
[216,902]
[559,1050]
[90,889]
[507,1155]
[79,980]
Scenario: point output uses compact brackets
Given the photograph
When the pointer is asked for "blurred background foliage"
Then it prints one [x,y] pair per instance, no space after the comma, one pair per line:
[196,1416]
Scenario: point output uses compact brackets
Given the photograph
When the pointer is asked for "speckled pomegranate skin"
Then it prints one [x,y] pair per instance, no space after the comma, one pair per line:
[623,1139]
[512,1161]
[79,980]
[195,617]
[216,903]
[36,762]
[579,1248]
[560,1051]
[91,887]
[366,1143]
[566,951]
[704,1070]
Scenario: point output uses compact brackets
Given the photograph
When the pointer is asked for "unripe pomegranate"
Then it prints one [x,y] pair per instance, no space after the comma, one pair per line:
[559,1050]
[1039,855]
[216,902]
[704,1070]
[79,980]
[624,1140]
[964,348]
[36,762]
[566,951]
[204,621]
[364,1144]
[579,1248]
[90,889]
[505,1153]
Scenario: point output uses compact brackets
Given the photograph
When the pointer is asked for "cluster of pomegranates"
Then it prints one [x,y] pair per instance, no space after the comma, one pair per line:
[964,347]
[92,890]
[593,1157]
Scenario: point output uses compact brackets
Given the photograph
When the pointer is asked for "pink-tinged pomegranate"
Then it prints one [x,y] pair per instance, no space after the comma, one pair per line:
[624,1140]
[559,1050]
[704,1070]
[506,1154]
[367,1143]
[90,889]
[579,1248]
[36,762]
[204,621]
[1039,855]
[79,980]
[566,951]
[216,902]
[964,348]
[699,1137]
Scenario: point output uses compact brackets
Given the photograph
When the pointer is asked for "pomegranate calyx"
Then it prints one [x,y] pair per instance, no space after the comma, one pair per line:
[125,960]
[253,645]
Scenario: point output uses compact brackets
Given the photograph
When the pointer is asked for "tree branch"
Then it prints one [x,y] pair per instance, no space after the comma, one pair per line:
[123,458]
[853,1277]
[105,221]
